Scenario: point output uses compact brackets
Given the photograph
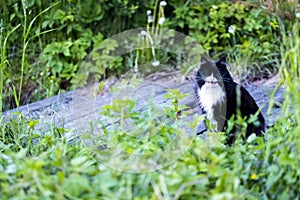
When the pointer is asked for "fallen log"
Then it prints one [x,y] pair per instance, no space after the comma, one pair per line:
[78,111]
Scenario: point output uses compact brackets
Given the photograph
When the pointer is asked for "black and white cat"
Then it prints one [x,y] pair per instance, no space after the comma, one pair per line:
[221,98]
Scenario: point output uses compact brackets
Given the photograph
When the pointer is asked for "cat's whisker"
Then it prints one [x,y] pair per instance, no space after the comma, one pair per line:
[227,80]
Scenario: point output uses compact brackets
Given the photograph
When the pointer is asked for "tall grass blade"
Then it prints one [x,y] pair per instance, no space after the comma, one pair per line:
[3,59]
[25,42]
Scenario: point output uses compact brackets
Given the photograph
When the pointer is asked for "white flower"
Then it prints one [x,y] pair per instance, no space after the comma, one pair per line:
[136,69]
[155,63]
[143,33]
[163,3]
[161,20]
[150,19]
[149,12]
[215,7]
[298,14]
[231,29]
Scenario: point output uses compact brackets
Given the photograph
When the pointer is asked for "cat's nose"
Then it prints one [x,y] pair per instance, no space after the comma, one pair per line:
[211,79]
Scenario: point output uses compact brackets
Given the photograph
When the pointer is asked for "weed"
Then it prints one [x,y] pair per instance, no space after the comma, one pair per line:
[38,164]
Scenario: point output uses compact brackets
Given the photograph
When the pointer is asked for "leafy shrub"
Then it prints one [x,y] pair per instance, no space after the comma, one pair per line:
[73,23]
[54,168]
[247,31]
[244,30]
[257,169]
[35,165]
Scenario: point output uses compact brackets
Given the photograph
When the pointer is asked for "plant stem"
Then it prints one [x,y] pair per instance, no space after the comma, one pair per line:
[23,53]
[3,60]
[26,31]
[154,16]
[1,66]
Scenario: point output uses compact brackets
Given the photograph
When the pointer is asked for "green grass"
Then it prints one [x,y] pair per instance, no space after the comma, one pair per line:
[45,165]
[3,61]
[55,169]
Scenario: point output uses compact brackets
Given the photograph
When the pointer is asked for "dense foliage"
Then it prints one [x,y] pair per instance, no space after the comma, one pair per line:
[52,59]
[55,169]
[244,31]
[47,50]
[50,40]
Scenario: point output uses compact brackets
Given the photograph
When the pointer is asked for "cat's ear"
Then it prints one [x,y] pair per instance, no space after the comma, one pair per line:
[222,60]
[204,59]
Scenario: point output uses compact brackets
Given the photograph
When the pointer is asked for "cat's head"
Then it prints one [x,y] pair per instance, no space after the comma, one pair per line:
[213,72]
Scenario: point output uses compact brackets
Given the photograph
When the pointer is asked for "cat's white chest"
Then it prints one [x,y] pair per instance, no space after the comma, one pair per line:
[210,95]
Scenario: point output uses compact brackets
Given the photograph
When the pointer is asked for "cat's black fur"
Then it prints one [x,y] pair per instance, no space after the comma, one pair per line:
[237,99]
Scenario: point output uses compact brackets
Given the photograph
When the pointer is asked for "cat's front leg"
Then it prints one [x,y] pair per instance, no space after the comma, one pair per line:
[202,127]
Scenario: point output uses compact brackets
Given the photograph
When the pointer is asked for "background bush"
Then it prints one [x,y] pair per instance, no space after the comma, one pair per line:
[246,31]
[52,59]
[55,169]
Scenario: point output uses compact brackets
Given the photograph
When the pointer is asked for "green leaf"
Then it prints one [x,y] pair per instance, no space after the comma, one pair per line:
[32,123]
[76,185]
[78,160]
[251,138]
